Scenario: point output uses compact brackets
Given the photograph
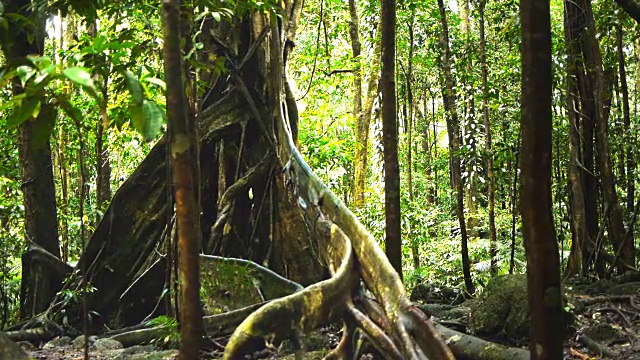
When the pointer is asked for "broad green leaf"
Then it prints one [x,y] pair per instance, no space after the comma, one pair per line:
[147,118]
[79,75]
[43,126]
[29,108]
[24,73]
[134,87]
[137,117]
[154,118]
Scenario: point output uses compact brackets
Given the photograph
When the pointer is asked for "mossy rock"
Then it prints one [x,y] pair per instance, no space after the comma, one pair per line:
[429,294]
[603,333]
[502,307]
[630,288]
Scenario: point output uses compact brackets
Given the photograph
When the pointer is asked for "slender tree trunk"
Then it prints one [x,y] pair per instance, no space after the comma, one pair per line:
[390,137]
[415,249]
[543,263]
[364,120]
[470,128]
[453,129]
[361,143]
[627,137]
[493,242]
[182,142]
[103,165]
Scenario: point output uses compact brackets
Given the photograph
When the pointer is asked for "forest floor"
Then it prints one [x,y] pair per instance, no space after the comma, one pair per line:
[603,322]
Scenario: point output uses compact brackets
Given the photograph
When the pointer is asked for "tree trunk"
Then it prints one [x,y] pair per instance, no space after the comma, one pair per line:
[579,257]
[470,127]
[183,141]
[361,142]
[364,121]
[543,263]
[40,213]
[595,72]
[393,242]
[453,129]
[627,136]
[576,24]
[103,164]
[493,251]
[415,248]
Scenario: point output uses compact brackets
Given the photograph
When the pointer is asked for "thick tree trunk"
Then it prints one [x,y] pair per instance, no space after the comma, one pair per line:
[543,263]
[40,213]
[393,242]
[577,25]
[453,129]
[593,64]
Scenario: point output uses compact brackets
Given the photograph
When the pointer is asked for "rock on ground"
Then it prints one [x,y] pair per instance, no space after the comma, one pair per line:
[10,350]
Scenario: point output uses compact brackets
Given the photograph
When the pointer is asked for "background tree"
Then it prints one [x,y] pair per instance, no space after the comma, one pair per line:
[453,129]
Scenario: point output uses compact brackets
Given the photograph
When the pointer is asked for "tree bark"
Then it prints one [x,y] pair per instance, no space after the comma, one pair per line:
[183,141]
[627,136]
[453,130]
[595,71]
[393,242]
[543,263]
[361,143]
[632,7]
[415,249]
[469,120]
[493,242]
[579,257]
[36,166]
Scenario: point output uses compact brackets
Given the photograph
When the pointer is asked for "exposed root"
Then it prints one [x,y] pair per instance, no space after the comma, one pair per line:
[303,311]
[597,347]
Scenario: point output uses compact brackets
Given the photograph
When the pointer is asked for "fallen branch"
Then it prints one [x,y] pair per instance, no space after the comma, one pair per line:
[39,334]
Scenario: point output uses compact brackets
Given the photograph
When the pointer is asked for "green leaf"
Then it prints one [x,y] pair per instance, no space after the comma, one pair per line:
[29,108]
[69,109]
[147,119]
[24,73]
[134,87]
[157,82]
[43,126]
[79,75]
